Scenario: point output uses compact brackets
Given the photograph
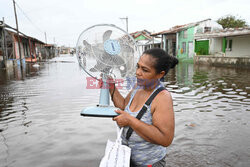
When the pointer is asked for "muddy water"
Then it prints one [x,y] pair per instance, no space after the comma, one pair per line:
[40,122]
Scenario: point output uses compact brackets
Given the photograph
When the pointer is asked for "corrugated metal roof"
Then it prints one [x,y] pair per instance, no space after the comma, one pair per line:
[169,31]
[178,28]
[14,31]
[145,33]
[224,33]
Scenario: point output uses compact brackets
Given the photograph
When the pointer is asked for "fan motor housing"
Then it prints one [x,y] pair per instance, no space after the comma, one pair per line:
[112,46]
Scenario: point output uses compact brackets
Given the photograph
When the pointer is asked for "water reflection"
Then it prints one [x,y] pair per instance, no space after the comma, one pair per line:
[40,122]
[185,74]
[212,116]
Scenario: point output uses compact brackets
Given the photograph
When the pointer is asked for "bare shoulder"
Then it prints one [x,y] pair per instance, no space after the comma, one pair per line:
[162,101]
[163,96]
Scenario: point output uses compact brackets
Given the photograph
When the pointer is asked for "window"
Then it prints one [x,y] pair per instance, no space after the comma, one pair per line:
[207,29]
[229,44]
[183,49]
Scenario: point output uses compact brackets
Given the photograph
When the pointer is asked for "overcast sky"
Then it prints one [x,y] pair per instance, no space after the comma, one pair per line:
[65,20]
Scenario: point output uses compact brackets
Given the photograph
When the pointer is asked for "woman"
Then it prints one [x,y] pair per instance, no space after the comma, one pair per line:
[155,130]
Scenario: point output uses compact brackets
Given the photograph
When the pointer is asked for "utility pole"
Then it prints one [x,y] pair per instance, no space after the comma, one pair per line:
[45,37]
[126,18]
[5,43]
[18,37]
[2,44]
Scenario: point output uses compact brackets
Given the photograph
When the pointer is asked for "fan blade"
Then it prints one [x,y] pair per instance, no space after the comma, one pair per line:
[93,70]
[106,35]
[85,43]
[126,47]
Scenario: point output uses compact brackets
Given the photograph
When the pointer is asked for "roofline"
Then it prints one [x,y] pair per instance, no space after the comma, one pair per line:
[143,32]
[182,27]
[224,33]
[15,31]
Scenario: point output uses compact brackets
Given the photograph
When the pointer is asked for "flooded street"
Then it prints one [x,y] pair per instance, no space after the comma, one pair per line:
[40,122]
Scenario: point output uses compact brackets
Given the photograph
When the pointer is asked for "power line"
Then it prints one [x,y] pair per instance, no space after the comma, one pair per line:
[29,18]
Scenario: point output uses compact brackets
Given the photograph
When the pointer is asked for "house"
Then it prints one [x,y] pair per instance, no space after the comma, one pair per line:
[224,47]
[168,42]
[141,35]
[31,49]
[65,50]
[145,41]
[49,51]
[29,46]
[179,40]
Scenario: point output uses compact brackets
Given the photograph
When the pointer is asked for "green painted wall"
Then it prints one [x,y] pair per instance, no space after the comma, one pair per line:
[202,47]
[141,37]
[190,38]
[185,72]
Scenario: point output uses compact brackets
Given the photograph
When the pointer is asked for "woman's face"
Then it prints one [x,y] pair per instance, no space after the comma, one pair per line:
[146,73]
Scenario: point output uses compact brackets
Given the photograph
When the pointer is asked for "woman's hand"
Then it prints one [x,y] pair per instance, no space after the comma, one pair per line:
[123,119]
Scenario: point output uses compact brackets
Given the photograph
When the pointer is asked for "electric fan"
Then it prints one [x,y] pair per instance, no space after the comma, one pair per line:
[105,51]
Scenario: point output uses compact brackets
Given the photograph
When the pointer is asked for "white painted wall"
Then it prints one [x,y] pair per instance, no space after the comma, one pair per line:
[240,47]
[141,45]
[209,23]
[141,49]
[215,45]
[164,42]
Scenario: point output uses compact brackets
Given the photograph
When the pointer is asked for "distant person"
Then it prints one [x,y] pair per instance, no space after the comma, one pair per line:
[155,130]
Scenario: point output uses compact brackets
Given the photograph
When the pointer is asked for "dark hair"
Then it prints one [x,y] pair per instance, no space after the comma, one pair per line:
[163,61]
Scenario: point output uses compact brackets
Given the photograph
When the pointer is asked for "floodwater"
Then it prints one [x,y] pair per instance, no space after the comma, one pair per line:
[40,122]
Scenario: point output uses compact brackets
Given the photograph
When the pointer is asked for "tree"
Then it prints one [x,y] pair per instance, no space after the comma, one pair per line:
[231,21]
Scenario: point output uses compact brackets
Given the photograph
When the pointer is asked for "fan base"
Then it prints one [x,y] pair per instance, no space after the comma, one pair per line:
[99,111]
